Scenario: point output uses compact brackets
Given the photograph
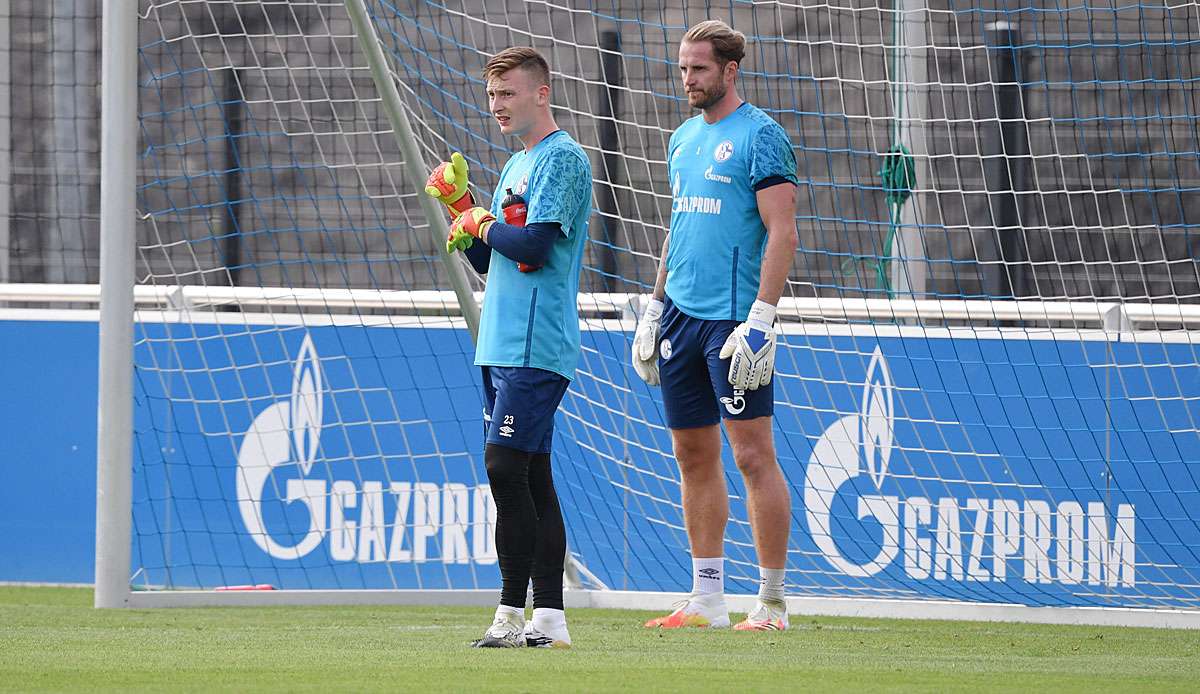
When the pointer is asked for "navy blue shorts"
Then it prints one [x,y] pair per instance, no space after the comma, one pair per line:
[519,406]
[695,380]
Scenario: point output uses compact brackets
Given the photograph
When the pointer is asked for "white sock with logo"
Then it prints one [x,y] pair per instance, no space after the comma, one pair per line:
[708,576]
[770,585]
[552,623]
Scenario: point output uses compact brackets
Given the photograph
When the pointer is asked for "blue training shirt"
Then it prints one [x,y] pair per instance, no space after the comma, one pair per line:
[532,318]
[715,252]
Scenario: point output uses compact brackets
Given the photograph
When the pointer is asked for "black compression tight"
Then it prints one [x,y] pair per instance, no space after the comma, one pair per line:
[551,548]
[530,538]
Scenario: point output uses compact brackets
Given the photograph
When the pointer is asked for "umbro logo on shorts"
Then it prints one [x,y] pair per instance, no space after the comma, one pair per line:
[506,431]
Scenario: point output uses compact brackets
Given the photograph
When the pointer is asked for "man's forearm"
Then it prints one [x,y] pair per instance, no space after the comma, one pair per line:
[525,244]
[777,207]
[660,281]
[480,256]
[776,263]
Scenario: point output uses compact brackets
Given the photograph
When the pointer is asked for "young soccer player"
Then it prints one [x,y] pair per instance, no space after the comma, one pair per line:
[528,334]
[708,330]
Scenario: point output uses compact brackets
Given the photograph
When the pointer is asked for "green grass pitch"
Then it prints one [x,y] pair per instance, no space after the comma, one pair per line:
[52,639]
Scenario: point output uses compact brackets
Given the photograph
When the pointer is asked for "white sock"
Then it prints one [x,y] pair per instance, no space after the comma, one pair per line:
[552,623]
[708,576]
[770,586]
[505,610]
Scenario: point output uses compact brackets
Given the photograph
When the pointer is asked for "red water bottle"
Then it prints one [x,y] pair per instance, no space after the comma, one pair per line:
[514,210]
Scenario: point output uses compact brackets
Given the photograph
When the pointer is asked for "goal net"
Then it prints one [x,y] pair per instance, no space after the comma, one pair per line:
[988,381]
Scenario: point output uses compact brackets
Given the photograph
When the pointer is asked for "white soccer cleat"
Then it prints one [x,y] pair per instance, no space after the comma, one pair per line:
[706,611]
[507,631]
[766,616]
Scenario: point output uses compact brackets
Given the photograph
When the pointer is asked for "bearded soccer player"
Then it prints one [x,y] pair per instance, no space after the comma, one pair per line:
[708,331]
[528,334]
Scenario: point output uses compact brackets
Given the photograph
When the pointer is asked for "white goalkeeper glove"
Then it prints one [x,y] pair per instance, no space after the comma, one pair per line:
[645,342]
[752,348]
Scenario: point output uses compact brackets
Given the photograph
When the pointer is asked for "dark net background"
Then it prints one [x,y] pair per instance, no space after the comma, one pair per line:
[266,159]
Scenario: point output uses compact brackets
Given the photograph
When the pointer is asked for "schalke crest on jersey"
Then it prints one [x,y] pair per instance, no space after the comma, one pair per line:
[723,151]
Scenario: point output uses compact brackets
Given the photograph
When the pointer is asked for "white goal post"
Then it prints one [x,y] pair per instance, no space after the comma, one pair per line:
[988,386]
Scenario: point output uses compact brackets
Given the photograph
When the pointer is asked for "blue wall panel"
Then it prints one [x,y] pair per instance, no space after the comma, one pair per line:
[48,451]
[1029,471]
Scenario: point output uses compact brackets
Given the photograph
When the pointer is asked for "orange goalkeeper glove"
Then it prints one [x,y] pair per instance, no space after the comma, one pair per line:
[467,227]
[448,183]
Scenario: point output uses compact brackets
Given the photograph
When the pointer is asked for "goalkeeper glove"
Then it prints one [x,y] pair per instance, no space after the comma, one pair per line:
[752,348]
[448,183]
[467,227]
[645,342]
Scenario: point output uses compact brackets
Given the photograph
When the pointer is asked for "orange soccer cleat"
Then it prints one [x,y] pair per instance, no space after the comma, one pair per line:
[766,616]
[695,611]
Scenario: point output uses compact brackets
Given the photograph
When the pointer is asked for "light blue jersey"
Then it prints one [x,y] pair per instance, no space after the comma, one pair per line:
[715,252]
[532,318]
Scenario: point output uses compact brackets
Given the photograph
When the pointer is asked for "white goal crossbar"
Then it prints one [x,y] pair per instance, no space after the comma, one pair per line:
[1077,314]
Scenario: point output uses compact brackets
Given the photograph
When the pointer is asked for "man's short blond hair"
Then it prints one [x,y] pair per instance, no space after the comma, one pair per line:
[727,44]
[518,57]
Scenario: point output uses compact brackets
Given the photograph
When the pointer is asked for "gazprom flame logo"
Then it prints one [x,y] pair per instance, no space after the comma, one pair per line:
[876,418]
[286,433]
[851,444]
